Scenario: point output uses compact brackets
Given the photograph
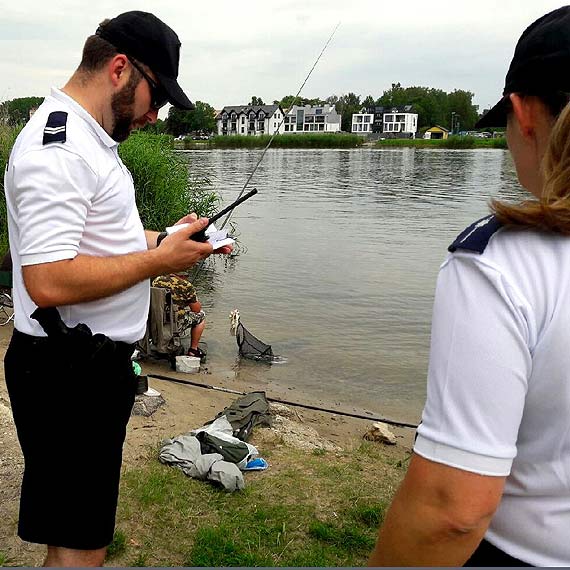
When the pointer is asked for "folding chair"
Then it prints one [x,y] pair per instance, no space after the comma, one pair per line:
[6,305]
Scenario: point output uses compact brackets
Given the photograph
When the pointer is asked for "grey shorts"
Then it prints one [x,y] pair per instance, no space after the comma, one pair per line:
[188,320]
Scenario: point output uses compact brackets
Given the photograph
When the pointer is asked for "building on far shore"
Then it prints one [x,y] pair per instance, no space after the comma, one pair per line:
[436,132]
[386,122]
[311,119]
[250,120]
[362,123]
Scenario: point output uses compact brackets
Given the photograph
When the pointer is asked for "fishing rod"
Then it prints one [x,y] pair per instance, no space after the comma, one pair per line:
[276,131]
[286,402]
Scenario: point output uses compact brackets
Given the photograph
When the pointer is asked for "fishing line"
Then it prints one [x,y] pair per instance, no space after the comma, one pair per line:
[276,132]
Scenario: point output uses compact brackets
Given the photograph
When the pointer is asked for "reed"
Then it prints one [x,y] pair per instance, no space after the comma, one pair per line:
[453,142]
[7,137]
[309,140]
[165,189]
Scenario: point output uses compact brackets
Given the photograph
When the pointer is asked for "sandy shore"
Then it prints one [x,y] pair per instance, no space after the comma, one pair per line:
[186,408]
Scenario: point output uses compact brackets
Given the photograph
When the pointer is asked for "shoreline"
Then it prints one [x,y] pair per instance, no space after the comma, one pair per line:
[186,407]
[333,143]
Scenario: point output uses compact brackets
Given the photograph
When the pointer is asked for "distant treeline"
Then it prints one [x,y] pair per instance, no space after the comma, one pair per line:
[434,107]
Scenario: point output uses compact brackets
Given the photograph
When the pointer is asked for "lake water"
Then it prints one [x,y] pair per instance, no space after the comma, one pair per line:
[342,253]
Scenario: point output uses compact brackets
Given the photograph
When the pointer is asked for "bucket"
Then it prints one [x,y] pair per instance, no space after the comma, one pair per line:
[187,364]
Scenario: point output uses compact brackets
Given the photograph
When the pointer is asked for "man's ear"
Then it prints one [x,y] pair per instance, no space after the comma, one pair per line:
[117,67]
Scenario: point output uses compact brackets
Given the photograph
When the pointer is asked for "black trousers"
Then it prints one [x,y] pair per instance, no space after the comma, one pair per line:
[489,555]
[71,415]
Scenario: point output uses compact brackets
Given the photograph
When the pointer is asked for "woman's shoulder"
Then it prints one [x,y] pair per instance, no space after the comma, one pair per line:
[487,239]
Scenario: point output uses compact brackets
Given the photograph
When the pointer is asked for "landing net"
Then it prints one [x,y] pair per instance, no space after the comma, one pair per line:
[253,348]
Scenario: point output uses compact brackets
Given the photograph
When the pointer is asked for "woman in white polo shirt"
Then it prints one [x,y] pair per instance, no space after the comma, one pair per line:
[489,481]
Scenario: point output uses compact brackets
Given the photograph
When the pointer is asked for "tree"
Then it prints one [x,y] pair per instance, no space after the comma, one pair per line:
[289,100]
[256,101]
[434,106]
[461,103]
[200,119]
[157,128]
[368,102]
[203,118]
[177,122]
[17,111]
[346,105]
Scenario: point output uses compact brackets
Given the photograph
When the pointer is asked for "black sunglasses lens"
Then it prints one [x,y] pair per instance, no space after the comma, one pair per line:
[159,97]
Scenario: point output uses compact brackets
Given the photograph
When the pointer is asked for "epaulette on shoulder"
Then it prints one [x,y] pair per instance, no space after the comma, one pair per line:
[54,130]
[477,235]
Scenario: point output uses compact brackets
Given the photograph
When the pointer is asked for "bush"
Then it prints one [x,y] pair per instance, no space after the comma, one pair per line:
[7,137]
[164,190]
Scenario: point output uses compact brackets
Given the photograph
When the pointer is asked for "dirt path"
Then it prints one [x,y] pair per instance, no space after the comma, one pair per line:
[185,408]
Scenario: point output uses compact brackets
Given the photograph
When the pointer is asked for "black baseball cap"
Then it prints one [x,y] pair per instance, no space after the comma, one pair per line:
[540,65]
[149,40]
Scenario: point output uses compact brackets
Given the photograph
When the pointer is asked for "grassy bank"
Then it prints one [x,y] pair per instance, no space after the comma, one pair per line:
[450,143]
[310,140]
[309,509]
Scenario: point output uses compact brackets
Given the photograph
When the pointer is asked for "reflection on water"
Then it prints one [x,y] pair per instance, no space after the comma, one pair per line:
[343,249]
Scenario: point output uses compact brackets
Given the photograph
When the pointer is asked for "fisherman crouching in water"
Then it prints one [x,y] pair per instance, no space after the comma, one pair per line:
[82,265]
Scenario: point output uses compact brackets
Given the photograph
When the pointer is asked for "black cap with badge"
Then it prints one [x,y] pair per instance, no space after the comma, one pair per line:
[143,36]
[540,65]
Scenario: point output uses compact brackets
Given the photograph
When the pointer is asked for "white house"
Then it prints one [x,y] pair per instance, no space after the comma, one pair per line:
[395,122]
[400,122]
[308,119]
[362,123]
[250,120]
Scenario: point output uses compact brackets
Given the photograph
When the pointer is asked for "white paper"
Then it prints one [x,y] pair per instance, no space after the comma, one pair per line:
[218,238]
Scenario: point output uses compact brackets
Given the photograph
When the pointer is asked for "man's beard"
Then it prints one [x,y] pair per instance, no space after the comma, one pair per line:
[122,106]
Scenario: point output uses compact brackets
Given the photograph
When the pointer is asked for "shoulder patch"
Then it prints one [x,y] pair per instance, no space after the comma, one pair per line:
[477,235]
[54,130]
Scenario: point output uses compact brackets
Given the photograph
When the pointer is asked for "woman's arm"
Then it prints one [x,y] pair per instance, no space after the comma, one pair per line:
[438,516]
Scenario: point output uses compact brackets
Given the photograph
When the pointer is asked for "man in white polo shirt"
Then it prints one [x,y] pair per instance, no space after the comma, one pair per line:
[81,256]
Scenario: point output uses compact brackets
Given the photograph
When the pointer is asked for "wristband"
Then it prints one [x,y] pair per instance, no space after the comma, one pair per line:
[160,237]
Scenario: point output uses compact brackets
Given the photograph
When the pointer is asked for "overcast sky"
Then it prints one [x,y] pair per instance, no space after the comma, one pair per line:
[232,50]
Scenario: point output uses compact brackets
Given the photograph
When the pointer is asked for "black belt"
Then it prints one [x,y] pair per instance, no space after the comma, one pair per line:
[122,350]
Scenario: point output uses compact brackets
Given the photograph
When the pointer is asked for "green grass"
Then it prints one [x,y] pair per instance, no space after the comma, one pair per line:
[309,140]
[453,142]
[306,510]
[118,546]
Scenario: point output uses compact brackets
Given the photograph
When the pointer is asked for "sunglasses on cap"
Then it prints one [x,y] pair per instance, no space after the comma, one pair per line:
[158,95]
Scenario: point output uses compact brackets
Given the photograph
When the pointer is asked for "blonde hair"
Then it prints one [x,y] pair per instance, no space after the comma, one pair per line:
[551,211]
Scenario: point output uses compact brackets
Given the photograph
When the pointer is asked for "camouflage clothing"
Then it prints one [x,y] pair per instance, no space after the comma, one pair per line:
[183,293]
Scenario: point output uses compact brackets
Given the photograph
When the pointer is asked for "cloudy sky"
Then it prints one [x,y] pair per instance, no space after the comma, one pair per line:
[232,50]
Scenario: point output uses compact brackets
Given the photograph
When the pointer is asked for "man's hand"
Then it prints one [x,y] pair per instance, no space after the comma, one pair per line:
[190,219]
[187,219]
[179,252]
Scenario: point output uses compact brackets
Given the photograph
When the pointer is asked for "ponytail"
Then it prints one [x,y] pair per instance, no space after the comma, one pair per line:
[551,211]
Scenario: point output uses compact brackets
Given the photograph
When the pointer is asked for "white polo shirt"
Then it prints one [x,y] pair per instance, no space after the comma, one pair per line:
[69,198]
[498,397]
